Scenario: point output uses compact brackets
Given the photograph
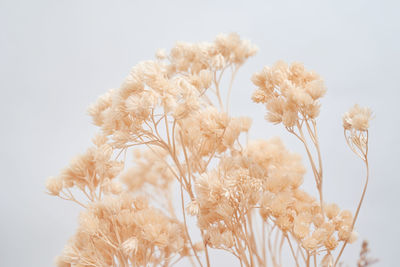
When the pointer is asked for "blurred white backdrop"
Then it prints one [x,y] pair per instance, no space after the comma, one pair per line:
[57,56]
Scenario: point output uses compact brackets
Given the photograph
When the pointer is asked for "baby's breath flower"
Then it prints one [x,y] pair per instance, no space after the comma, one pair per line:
[357,118]
[331,210]
[116,187]
[331,243]
[301,226]
[54,186]
[310,244]
[227,239]
[161,54]
[344,233]
[166,106]
[193,208]
[353,237]
[130,246]
[218,62]
[290,92]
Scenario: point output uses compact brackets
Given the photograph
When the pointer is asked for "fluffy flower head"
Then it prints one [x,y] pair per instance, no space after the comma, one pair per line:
[357,118]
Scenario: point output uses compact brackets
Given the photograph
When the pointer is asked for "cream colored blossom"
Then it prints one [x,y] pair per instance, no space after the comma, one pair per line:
[301,226]
[115,224]
[130,246]
[187,146]
[310,244]
[161,54]
[150,168]
[193,208]
[331,210]
[290,92]
[357,118]
[331,243]
[54,186]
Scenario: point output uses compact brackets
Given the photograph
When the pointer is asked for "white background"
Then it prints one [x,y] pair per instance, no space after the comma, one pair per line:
[57,56]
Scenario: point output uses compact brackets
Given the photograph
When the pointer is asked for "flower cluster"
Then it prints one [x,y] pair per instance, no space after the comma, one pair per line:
[172,86]
[290,92]
[170,113]
[268,177]
[150,168]
[123,230]
[92,173]
[209,132]
[299,214]
[228,193]
[356,124]
[357,118]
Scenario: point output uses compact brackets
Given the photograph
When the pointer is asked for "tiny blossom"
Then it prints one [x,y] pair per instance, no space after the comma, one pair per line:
[193,208]
[331,243]
[161,54]
[130,246]
[289,91]
[357,118]
[301,226]
[353,237]
[310,244]
[54,186]
[331,210]
[105,220]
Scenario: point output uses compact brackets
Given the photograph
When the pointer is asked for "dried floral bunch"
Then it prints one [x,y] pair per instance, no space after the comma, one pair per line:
[246,198]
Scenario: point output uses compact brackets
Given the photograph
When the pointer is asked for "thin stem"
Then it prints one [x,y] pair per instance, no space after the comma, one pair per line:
[315,260]
[186,229]
[187,164]
[280,248]
[292,250]
[299,248]
[270,247]
[263,243]
[356,214]
[235,69]
[217,91]
[318,151]
[205,249]
[317,177]
[357,211]
[167,130]
[363,193]
[173,137]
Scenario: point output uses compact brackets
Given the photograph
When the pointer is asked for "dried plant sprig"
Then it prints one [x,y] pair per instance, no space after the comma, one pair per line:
[171,113]
[158,102]
[123,231]
[291,95]
[364,260]
[355,125]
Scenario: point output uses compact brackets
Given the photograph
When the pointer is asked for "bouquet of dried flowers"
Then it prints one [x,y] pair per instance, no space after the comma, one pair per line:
[172,113]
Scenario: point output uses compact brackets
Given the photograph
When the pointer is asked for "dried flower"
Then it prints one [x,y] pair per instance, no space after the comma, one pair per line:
[170,113]
[357,118]
[54,186]
[193,208]
[364,260]
[289,92]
